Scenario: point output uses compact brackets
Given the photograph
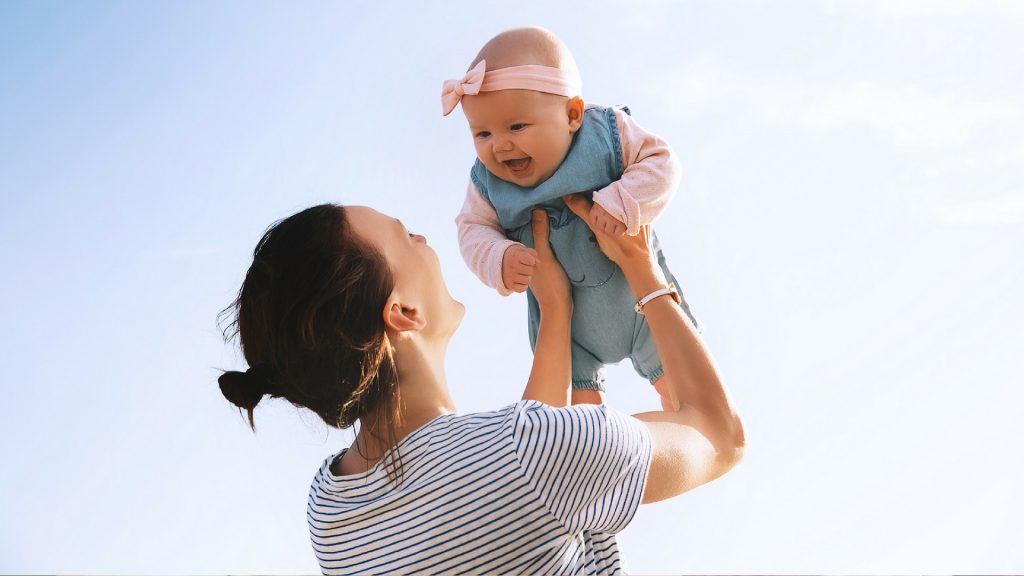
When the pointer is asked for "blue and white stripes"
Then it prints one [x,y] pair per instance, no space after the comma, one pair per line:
[525,489]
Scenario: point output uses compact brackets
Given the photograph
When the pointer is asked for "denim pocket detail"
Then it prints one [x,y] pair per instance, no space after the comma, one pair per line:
[580,255]
[574,246]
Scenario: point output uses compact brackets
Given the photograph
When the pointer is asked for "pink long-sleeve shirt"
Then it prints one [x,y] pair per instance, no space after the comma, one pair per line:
[648,182]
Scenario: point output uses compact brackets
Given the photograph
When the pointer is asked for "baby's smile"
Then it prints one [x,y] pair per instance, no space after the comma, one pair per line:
[518,165]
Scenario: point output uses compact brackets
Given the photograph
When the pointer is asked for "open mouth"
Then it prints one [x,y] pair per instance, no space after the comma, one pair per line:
[518,165]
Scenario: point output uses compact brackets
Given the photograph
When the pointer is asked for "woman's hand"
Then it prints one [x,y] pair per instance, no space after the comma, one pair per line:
[549,283]
[632,253]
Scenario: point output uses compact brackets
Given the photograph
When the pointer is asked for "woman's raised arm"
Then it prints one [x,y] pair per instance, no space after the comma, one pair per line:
[703,437]
[551,376]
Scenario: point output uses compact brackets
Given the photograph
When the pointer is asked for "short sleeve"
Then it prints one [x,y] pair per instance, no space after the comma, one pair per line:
[587,463]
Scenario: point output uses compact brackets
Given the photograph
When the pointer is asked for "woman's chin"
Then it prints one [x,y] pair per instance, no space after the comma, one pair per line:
[454,314]
[444,324]
[458,313]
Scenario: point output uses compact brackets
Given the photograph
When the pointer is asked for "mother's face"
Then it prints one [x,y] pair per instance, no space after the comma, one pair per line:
[415,266]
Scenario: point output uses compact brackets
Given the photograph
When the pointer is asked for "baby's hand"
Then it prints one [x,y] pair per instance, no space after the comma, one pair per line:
[600,219]
[517,266]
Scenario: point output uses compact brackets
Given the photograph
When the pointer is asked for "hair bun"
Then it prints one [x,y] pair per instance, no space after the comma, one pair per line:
[245,389]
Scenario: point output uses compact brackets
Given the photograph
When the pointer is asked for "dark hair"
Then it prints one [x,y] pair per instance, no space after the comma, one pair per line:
[309,319]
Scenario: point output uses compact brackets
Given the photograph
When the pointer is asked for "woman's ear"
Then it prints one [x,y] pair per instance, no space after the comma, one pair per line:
[400,318]
[574,110]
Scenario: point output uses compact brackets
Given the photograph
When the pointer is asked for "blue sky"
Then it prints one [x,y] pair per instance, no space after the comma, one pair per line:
[849,231]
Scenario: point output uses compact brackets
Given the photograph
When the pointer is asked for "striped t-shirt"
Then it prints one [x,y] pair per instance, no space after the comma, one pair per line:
[527,489]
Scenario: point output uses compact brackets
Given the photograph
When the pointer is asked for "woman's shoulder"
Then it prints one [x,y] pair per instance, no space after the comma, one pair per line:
[516,422]
[441,434]
[524,412]
[542,428]
[532,412]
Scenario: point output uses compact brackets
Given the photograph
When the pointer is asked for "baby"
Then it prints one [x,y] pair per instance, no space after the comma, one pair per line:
[536,141]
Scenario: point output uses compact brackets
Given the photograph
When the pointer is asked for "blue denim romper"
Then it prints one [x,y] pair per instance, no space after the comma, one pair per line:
[605,328]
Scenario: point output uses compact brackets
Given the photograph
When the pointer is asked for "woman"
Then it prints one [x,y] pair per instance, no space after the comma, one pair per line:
[345,312]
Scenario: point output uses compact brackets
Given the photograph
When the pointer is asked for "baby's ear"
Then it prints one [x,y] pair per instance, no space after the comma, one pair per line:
[574,110]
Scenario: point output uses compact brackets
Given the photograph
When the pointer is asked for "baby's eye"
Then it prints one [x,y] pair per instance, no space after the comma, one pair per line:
[483,134]
[517,127]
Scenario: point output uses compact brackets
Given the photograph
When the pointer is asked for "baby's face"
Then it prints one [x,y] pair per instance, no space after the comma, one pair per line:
[521,136]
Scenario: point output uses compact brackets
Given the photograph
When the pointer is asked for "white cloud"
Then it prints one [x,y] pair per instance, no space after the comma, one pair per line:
[909,117]
[1005,210]
[994,157]
[709,83]
[1013,156]
[694,86]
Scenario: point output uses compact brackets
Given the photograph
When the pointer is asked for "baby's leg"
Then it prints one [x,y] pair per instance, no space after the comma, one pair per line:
[587,396]
[668,404]
[647,363]
[587,370]
[587,376]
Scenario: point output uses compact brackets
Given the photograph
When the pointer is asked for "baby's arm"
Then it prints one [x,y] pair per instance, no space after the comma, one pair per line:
[647,184]
[500,263]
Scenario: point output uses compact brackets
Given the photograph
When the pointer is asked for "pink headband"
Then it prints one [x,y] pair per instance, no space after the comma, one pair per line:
[530,77]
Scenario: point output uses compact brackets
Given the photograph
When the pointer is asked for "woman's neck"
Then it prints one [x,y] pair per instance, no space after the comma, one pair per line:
[423,396]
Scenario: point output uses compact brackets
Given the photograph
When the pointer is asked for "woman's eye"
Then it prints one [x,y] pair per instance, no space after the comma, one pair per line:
[517,127]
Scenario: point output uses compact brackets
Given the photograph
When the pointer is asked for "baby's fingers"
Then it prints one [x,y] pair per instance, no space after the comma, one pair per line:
[524,267]
[579,204]
[528,257]
[520,282]
[612,227]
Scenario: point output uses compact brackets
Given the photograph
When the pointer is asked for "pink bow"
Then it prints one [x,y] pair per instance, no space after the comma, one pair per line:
[453,90]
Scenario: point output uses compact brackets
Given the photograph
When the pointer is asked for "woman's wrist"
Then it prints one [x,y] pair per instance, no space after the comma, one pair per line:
[644,277]
[562,309]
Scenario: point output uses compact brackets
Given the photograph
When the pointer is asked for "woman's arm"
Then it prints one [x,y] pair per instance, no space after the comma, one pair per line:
[551,376]
[703,438]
